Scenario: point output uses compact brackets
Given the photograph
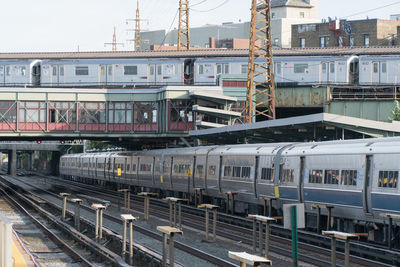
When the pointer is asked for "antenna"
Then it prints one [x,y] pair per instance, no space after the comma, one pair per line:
[114,42]
[183,31]
[260,98]
[137,40]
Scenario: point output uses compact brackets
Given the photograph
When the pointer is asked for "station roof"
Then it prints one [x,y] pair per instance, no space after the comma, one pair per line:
[316,127]
[196,53]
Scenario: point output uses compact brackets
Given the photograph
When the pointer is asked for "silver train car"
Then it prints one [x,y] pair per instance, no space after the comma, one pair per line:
[359,178]
[289,70]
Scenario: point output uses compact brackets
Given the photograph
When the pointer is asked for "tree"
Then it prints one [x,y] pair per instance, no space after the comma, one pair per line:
[395,112]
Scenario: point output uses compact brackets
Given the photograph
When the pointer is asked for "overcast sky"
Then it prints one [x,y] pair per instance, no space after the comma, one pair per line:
[63,25]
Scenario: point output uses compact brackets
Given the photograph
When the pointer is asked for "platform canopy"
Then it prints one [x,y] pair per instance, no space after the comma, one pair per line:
[316,127]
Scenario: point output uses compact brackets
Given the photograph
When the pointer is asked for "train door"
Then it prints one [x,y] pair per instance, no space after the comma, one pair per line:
[354,72]
[324,72]
[105,74]
[379,72]
[367,184]
[55,74]
[301,180]
[2,76]
[155,74]
[189,71]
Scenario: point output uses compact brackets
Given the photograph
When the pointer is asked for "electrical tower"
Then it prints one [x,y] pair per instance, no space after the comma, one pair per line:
[260,99]
[114,42]
[183,31]
[137,29]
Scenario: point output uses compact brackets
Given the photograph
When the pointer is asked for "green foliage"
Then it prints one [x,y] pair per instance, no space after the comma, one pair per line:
[395,112]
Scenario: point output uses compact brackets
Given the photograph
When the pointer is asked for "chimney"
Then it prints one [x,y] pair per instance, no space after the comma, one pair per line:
[211,42]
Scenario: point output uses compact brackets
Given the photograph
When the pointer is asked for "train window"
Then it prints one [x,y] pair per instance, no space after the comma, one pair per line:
[236,172]
[211,170]
[151,70]
[383,67]
[267,174]
[130,70]
[246,172]
[145,167]
[223,68]
[315,177]
[23,71]
[159,70]
[176,168]
[169,69]
[349,177]
[227,171]
[332,67]
[133,167]
[81,71]
[388,179]
[61,70]
[300,68]
[200,170]
[324,67]
[8,71]
[278,68]
[245,68]
[332,177]
[376,67]
[201,69]
[287,175]
[54,70]
[110,72]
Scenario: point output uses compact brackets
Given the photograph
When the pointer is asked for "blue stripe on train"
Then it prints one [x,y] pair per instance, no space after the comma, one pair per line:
[334,197]
[288,193]
[385,202]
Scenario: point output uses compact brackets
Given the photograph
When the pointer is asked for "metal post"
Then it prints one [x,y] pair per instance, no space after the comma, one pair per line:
[227,203]
[347,254]
[333,253]
[254,235]
[171,250]
[165,250]
[329,218]
[270,208]
[180,215]
[78,215]
[233,204]
[260,237]
[265,207]
[174,214]
[97,224]
[207,218]
[195,198]
[267,231]
[101,224]
[318,220]
[124,240]
[215,225]
[131,240]
[64,211]
[293,211]
[390,233]
[147,199]
[129,200]
[170,213]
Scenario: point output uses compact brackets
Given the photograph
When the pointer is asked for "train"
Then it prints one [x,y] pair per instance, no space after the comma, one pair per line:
[358,178]
[166,69]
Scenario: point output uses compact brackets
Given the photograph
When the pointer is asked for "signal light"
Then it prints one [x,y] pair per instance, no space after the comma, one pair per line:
[38,142]
[62,142]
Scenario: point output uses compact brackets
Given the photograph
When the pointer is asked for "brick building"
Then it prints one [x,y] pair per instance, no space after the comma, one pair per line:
[337,33]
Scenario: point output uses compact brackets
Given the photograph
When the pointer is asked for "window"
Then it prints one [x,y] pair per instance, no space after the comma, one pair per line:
[349,177]
[236,172]
[332,67]
[227,171]
[300,68]
[366,39]
[267,174]
[332,177]
[351,40]
[245,68]
[200,170]
[276,41]
[54,70]
[324,41]
[133,167]
[201,69]
[81,71]
[315,177]
[61,70]
[159,70]
[23,71]
[324,67]
[376,67]
[246,172]
[273,15]
[388,179]
[110,70]
[383,66]
[223,68]
[8,71]
[145,167]
[287,175]
[169,69]
[302,42]
[278,68]
[130,70]
[301,14]
[211,170]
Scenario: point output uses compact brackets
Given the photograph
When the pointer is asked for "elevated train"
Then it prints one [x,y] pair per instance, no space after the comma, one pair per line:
[359,178]
[296,69]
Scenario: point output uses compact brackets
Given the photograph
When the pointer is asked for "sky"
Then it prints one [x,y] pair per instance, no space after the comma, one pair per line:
[69,25]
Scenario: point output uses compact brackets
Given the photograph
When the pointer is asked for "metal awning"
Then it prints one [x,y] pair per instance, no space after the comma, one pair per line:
[217,97]
[219,113]
[316,127]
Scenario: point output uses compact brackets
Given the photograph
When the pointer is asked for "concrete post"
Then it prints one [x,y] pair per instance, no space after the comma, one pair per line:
[12,162]
[5,243]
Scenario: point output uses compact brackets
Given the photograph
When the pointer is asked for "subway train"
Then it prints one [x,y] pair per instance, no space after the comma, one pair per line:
[359,178]
[141,71]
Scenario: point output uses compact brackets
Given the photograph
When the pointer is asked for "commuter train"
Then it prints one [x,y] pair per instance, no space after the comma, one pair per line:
[359,178]
[180,70]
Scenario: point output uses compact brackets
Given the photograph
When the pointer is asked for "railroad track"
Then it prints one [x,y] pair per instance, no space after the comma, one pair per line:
[178,245]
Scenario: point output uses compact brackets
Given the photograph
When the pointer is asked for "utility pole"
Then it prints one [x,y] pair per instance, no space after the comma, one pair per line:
[114,42]
[137,29]
[183,31]
[260,100]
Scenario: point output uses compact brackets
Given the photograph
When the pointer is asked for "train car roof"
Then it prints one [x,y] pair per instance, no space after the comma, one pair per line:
[198,53]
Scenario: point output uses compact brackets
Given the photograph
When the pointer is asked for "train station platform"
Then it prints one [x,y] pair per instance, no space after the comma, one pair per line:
[316,127]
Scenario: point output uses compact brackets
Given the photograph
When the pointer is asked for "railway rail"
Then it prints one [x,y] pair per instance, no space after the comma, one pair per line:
[314,249]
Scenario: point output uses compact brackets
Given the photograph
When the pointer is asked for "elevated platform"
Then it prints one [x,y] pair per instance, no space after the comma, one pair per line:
[323,126]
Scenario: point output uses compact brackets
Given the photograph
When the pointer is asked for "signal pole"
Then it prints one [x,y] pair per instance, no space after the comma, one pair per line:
[114,42]
[183,31]
[137,29]
[260,100]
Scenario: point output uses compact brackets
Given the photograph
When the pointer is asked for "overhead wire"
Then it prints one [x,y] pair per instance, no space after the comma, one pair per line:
[212,9]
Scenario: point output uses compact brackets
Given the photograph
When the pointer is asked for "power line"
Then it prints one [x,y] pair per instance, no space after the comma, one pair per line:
[170,27]
[199,3]
[366,11]
[212,9]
